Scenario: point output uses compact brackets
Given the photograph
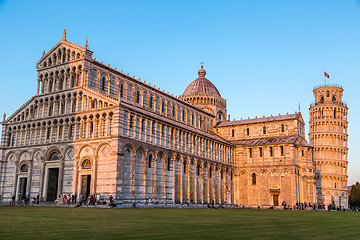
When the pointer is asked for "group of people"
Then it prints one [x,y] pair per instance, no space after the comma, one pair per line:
[26,199]
[90,200]
[67,199]
[310,206]
[153,201]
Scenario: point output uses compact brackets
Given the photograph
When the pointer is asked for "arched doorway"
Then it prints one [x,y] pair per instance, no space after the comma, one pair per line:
[23,180]
[85,177]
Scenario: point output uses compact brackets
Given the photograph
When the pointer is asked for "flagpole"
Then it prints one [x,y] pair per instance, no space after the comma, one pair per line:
[324,77]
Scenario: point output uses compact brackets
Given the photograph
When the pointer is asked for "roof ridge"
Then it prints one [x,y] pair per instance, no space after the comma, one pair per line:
[261,119]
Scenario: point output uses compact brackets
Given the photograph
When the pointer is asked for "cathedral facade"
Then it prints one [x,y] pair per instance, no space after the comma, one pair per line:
[92,129]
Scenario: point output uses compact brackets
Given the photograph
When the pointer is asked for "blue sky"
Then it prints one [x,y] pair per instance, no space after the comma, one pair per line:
[265,57]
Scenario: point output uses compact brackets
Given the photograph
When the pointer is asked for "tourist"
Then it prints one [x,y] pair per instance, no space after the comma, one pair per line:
[13,200]
[27,198]
[37,199]
[91,200]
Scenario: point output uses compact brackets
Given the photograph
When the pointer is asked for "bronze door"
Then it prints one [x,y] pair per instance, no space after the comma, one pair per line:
[276,200]
[52,184]
[22,188]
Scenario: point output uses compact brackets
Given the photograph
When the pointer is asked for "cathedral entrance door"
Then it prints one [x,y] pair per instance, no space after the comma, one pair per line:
[22,188]
[85,184]
[52,187]
[276,200]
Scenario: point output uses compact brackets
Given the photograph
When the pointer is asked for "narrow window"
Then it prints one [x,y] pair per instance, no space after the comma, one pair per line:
[248,131]
[264,130]
[192,119]
[151,102]
[198,170]
[48,133]
[91,129]
[137,96]
[334,113]
[143,124]
[327,94]
[183,115]
[121,90]
[282,150]
[250,152]
[50,86]
[60,84]
[153,128]
[173,110]
[110,125]
[232,133]
[333,99]
[131,121]
[163,107]
[261,152]
[271,151]
[163,131]
[71,131]
[184,165]
[253,176]
[103,127]
[210,172]
[321,99]
[50,110]
[84,130]
[282,128]
[73,107]
[102,84]
[150,161]
[302,153]
[169,164]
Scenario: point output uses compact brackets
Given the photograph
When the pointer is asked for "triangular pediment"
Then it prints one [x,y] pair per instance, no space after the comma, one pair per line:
[301,118]
[22,113]
[63,52]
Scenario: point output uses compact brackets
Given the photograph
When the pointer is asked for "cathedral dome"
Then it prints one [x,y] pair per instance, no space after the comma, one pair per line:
[201,86]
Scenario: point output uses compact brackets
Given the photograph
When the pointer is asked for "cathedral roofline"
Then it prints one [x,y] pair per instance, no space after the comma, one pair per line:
[143,83]
[179,124]
[272,141]
[260,120]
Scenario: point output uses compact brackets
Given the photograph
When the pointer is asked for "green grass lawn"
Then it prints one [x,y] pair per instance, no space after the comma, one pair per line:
[95,223]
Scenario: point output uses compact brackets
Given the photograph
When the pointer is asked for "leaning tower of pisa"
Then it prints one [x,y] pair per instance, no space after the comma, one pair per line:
[328,134]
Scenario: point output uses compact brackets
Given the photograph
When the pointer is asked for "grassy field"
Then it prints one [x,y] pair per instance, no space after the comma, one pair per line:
[92,223]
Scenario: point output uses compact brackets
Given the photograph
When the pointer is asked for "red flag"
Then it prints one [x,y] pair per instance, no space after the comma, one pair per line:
[326,75]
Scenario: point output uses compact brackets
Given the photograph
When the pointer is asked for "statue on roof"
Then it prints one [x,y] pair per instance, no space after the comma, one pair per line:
[64,35]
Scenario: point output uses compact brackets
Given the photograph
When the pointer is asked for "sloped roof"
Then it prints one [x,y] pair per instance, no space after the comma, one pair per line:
[260,120]
[176,123]
[272,141]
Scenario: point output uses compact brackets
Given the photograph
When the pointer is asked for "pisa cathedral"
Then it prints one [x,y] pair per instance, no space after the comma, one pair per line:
[92,129]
